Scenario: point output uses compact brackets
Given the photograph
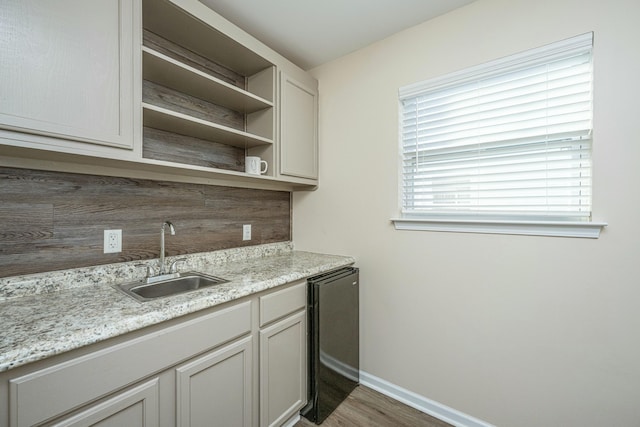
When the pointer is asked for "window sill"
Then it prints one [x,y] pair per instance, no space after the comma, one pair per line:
[590,230]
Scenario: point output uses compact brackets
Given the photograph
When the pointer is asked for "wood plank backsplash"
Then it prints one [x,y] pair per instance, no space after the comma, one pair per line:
[161,145]
[54,221]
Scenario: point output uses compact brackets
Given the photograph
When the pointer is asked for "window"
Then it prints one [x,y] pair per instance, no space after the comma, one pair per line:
[503,145]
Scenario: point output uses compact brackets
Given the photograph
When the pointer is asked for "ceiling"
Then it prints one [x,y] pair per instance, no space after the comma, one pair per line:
[310,33]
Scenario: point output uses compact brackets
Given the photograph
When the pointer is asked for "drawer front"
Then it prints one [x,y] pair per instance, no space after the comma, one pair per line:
[279,304]
[43,394]
[137,407]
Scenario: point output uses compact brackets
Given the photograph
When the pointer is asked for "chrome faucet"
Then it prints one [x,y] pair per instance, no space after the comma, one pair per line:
[172,230]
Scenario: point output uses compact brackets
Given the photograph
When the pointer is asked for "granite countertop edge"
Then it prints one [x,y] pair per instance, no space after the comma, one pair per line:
[50,323]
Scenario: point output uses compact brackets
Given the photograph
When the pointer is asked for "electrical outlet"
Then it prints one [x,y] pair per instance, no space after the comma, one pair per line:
[112,241]
[246,232]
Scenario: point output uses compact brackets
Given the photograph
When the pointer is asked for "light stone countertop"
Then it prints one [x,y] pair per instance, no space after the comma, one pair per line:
[57,318]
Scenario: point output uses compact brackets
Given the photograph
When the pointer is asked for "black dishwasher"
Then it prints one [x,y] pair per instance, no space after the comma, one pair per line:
[334,350]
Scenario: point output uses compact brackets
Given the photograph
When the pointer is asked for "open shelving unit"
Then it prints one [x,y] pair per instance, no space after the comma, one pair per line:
[205,92]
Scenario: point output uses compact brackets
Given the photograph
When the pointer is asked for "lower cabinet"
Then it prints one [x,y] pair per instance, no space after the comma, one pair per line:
[283,361]
[283,354]
[199,371]
[216,389]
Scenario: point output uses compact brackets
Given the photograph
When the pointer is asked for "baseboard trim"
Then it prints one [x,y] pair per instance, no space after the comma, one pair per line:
[291,422]
[421,403]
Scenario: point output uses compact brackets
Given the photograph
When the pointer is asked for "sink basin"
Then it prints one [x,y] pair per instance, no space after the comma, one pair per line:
[186,282]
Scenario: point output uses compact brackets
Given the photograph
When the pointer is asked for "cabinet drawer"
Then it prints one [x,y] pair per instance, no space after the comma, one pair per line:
[132,408]
[281,303]
[43,394]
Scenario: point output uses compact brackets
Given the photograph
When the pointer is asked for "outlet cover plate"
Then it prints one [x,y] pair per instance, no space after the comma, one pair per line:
[246,232]
[112,241]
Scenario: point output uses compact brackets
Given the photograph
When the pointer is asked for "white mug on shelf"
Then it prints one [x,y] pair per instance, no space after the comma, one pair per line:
[253,165]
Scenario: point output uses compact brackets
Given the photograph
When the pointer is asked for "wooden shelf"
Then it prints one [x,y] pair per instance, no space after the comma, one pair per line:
[168,72]
[139,168]
[170,22]
[171,121]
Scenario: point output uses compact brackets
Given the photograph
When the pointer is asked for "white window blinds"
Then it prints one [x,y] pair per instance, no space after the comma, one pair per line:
[509,140]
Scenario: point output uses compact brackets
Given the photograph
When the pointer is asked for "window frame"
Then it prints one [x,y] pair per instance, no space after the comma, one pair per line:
[495,224]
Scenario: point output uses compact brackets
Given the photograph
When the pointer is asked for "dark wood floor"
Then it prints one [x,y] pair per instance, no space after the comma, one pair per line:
[368,408]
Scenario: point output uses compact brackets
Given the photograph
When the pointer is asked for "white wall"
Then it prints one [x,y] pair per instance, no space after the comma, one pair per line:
[514,330]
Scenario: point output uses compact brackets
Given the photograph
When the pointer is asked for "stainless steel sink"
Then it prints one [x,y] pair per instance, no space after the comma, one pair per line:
[142,290]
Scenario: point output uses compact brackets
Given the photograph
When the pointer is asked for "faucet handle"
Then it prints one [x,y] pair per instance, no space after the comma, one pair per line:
[150,271]
[174,265]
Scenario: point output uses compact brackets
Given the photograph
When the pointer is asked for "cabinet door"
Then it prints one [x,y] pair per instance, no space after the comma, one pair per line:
[66,69]
[298,129]
[283,369]
[215,390]
[137,407]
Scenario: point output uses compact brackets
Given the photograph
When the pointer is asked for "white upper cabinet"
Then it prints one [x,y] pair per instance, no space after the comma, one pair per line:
[298,128]
[156,89]
[66,70]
